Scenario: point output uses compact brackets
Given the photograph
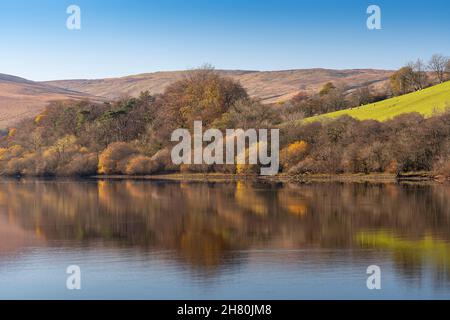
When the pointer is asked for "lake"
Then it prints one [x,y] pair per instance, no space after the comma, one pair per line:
[141,239]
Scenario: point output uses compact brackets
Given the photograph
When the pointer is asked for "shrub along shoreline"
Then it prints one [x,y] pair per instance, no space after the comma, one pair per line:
[132,137]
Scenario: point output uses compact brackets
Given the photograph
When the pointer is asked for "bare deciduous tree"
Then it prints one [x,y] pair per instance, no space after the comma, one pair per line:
[447,70]
[361,96]
[419,75]
[438,63]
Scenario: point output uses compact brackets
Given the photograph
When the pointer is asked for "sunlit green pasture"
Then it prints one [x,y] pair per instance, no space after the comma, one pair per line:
[425,102]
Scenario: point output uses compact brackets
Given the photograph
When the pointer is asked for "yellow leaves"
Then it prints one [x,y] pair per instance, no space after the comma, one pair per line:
[12,132]
[11,152]
[297,147]
[292,154]
[65,143]
[203,94]
[83,150]
[102,167]
[49,153]
[327,88]
[2,152]
[39,118]
[114,159]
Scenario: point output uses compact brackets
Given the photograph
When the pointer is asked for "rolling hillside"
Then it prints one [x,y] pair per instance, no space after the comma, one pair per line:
[21,98]
[269,86]
[425,102]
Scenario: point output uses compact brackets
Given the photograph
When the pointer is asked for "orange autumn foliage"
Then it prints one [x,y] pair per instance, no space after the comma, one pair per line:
[293,153]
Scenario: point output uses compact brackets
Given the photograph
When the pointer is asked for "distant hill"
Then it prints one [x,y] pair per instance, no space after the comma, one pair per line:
[425,102]
[21,98]
[269,86]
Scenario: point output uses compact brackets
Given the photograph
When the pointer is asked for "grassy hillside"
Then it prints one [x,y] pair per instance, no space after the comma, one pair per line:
[426,101]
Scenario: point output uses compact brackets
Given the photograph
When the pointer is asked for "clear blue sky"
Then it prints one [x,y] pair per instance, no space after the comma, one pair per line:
[135,36]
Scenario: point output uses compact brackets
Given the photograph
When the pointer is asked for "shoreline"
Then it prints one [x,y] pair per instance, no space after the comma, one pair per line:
[419,177]
[376,178]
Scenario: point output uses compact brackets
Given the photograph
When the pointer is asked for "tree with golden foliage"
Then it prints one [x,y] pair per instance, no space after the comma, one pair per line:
[114,159]
[139,165]
[292,154]
[201,95]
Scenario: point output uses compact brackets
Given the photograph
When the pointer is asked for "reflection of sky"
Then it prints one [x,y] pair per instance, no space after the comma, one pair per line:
[134,36]
[258,274]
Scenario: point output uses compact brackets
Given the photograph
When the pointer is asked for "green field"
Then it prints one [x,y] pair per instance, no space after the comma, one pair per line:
[425,102]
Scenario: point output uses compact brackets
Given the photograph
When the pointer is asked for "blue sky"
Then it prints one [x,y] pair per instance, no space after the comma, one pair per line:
[127,37]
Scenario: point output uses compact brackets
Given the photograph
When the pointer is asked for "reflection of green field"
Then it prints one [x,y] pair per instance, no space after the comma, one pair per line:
[424,102]
[427,248]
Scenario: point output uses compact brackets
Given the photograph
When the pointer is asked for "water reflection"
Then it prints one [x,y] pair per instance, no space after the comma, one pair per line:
[208,225]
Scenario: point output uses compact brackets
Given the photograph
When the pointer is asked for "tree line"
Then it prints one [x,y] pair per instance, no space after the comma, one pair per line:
[415,75]
[132,135]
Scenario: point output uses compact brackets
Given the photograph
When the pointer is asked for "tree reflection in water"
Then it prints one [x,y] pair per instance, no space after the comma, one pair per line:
[202,222]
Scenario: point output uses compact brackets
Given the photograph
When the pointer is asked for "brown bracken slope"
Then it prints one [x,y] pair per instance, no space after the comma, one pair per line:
[21,98]
[269,86]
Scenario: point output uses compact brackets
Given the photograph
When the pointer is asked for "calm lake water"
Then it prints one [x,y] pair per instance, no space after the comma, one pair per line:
[179,240]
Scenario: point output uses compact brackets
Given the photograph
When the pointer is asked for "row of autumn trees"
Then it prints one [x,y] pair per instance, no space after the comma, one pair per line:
[414,76]
[132,135]
[417,75]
